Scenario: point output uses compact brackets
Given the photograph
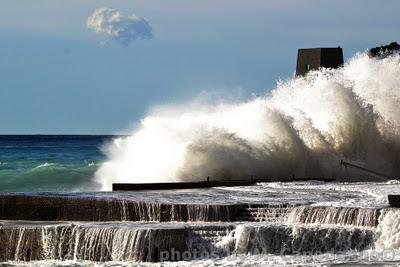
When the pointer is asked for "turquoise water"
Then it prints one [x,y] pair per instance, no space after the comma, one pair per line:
[50,162]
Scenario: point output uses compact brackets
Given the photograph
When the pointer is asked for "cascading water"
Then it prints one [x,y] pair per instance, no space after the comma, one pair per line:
[302,128]
[334,215]
[151,242]
[283,239]
[103,242]
[193,231]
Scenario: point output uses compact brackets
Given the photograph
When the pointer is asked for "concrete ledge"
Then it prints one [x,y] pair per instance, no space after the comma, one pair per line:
[73,208]
[154,242]
[179,185]
[58,208]
[394,201]
[27,241]
[202,184]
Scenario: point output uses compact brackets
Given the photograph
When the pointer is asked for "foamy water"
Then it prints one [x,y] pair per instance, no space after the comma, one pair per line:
[336,223]
[304,128]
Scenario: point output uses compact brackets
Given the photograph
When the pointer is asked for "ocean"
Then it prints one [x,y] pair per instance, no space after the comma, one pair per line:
[31,163]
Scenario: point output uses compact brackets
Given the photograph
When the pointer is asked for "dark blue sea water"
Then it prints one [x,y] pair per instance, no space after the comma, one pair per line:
[50,162]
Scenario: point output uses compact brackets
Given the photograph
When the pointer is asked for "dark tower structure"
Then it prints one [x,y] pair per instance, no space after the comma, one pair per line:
[315,58]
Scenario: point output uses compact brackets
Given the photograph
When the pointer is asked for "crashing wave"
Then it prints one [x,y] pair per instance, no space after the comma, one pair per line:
[302,128]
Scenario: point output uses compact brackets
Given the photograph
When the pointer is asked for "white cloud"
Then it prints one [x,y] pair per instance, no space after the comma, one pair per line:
[118,27]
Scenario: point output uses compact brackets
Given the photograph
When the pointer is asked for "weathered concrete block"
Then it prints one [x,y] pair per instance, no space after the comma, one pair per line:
[394,201]
[315,58]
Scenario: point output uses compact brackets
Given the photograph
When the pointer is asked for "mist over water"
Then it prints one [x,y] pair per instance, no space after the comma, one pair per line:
[304,127]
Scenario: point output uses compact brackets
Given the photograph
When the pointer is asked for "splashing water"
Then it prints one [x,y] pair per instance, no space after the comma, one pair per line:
[302,128]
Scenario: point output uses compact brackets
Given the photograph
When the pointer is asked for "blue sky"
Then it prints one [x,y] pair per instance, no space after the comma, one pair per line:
[57,76]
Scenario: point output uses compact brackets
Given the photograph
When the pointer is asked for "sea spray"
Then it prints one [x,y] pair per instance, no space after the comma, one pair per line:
[302,128]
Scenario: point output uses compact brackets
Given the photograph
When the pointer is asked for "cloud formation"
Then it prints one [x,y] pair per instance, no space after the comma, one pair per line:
[118,27]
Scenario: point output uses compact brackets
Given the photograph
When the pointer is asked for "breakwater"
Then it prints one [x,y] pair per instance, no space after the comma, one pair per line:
[272,219]
[40,227]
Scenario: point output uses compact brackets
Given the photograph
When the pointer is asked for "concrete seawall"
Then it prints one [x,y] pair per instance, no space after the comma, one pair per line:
[201,184]
[27,241]
[149,225]
[53,208]
[74,208]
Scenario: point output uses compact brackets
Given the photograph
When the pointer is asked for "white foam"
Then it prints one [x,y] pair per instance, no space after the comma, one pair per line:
[304,127]
[46,164]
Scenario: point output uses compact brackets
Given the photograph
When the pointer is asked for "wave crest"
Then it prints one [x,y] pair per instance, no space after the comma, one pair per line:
[303,128]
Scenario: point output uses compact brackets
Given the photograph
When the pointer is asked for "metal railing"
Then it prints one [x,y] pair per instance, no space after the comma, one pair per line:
[374,173]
